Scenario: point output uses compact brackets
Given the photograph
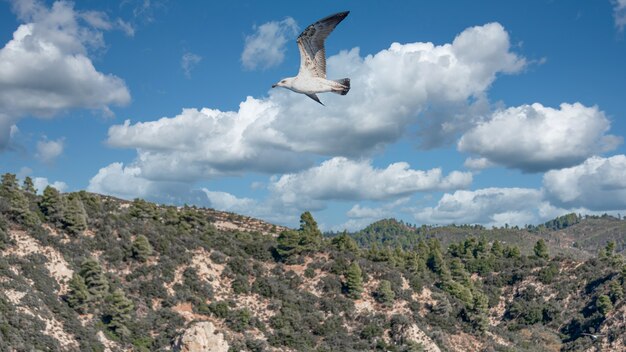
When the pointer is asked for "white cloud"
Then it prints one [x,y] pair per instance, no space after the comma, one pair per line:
[206,143]
[343,179]
[188,61]
[284,132]
[360,216]
[351,225]
[594,187]
[127,182]
[228,202]
[48,151]
[598,184]
[619,13]
[41,183]
[266,47]
[45,68]
[359,212]
[489,206]
[477,164]
[535,138]
[375,213]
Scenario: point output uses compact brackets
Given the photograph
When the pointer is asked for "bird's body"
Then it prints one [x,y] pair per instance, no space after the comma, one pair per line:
[311,78]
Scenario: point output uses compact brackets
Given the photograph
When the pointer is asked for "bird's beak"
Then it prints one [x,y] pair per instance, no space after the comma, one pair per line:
[273,85]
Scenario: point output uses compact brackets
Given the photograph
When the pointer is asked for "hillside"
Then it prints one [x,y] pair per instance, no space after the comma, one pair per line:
[579,239]
[84,272]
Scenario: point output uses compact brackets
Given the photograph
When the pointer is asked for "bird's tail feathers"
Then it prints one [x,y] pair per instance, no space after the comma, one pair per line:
[345,86]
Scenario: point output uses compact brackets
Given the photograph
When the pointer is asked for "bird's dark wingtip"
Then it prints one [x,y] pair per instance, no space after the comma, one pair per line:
[314,97]
[342,14]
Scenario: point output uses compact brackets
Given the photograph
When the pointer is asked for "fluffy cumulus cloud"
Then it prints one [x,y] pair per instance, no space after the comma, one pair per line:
[343,179]
[284,132]
[265,48]
[336,179]
[45,67]
[598,184]
[535,138]
[619,13]
[489,206]
[205,143]
[127,182]
[48,151]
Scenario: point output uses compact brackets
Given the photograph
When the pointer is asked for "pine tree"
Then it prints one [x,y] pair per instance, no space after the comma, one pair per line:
[423,251]
[541,249]
[9,184]
[437,264]
[482,246]
[609,249]
[141,248]
[288,244]
[311,236]
[118,313]
[385,294]
[4,238]
[480,311]
[307,239]
[604,305]
[375,254]
[496,249]
[143,210]
[28,186]
[17,201]
[95,279]
[52,206]
[457,269]
[78,295]
[616,291]
[459,291]
[75,216]
[344,242]
[414,264]
[354,281]
[512,252]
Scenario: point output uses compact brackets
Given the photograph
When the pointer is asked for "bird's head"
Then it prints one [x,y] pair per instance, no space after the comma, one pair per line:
[285,82]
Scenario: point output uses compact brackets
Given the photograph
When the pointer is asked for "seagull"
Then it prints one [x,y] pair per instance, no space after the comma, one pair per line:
[311,78]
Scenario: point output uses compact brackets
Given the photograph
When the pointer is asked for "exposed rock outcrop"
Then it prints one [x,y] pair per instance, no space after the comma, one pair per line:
[416,334]
[201,337]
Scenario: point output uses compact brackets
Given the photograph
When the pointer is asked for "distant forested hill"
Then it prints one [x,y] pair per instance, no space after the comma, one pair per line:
[572,235]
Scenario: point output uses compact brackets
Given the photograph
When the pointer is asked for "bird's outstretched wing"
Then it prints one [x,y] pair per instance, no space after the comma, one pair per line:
[314,97]
[311,45]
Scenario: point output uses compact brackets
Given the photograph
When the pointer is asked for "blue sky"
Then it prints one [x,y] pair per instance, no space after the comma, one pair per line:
[486,112]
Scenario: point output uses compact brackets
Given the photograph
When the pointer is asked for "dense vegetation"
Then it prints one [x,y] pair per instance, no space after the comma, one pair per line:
[136,265]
